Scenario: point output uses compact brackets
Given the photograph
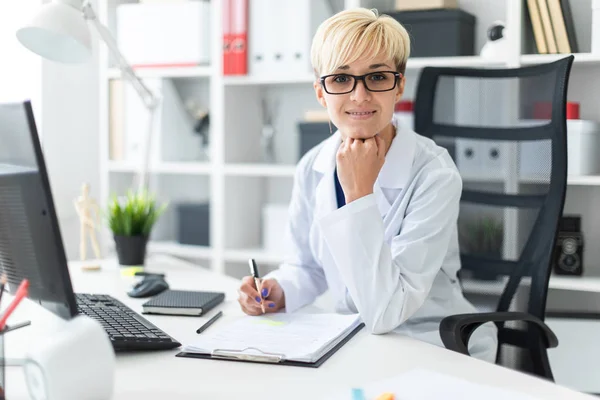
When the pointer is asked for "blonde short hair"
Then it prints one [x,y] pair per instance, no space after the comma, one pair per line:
[352,34]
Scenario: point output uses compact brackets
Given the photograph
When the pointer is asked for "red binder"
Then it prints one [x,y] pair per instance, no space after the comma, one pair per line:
[227,37]
[239,41]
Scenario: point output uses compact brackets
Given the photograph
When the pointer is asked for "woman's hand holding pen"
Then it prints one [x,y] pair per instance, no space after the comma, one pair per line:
[271,296]
[358,165]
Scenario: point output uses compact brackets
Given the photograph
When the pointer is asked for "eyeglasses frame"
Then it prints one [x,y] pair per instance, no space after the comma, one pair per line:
[397,76]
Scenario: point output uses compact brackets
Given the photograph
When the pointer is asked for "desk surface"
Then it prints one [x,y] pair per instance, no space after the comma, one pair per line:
[160,375]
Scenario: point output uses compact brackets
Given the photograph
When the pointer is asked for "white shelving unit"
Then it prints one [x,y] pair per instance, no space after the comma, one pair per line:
[167,72]
[235,181]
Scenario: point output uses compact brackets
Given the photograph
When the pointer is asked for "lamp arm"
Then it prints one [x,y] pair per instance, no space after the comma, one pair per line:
[147,96]
[151,101]
[145,167]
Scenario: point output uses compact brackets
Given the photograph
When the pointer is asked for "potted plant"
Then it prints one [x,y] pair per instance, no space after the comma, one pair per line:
[131,220]
[483,236]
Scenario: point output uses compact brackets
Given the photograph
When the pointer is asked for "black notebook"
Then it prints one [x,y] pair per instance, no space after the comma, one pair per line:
[182,302]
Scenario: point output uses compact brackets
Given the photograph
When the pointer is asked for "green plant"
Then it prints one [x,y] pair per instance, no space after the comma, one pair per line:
[134,215]
[482,236]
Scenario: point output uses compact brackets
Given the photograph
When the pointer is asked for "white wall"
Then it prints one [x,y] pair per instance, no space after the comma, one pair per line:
[65,104]
[70,137]
[20,70]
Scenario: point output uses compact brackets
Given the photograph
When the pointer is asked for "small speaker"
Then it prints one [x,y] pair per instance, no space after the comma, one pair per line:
[568,251]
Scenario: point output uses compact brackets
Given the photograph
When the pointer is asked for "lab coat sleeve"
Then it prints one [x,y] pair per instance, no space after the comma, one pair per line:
[300,276]
[389,284]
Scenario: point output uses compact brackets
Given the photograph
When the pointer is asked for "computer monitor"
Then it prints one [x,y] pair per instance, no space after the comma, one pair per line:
[30,240]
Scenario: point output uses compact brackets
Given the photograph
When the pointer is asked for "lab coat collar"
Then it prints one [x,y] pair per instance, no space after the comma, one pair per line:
[325,160]
[396,170]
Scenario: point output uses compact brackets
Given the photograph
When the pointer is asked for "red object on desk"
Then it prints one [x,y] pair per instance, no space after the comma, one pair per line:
[21,293]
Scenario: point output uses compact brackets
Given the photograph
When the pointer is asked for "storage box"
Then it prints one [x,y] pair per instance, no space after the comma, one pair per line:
[193,223]
[425,4]
[439,33]
[311,134]
[164,33]
[583,146]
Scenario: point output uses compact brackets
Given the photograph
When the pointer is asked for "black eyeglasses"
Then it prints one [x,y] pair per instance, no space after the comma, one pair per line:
[380,81]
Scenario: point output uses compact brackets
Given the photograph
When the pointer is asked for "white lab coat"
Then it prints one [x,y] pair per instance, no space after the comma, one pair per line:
[391,256]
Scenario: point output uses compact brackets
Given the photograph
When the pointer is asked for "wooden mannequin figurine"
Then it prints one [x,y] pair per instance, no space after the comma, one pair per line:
[89,214]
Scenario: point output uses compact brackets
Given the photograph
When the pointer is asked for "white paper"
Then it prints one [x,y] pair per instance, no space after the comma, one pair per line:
[421,384]
[300,337]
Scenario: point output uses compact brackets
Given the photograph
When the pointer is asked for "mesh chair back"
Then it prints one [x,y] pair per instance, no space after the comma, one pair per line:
[506,130]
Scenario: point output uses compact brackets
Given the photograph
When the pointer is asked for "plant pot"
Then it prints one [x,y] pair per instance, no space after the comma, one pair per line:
[131,250]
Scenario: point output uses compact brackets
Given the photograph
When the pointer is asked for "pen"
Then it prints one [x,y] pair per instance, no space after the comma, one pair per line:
[254,272]
[21,292]
[210,322]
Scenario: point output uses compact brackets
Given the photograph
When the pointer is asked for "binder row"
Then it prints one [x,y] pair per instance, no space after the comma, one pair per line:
[553,27]
[270,37]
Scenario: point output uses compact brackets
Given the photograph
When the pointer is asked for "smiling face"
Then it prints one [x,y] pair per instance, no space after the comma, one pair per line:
[358,42]
[362,113]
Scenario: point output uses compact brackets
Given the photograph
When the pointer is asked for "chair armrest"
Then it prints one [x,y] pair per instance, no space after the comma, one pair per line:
[456,330]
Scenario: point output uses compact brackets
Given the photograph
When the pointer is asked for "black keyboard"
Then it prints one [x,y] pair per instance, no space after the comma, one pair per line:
[126,329]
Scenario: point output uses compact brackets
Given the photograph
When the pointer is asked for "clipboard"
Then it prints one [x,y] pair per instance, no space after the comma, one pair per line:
[277,359]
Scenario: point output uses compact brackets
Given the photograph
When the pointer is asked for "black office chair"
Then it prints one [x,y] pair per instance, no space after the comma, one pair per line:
[506,129]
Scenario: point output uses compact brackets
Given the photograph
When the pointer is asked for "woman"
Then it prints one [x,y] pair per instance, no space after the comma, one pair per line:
[373,214]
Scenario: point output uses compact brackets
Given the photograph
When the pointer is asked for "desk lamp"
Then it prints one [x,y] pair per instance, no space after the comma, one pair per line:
[59,32]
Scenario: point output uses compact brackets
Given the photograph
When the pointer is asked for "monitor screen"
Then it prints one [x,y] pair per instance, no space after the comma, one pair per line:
[30,241]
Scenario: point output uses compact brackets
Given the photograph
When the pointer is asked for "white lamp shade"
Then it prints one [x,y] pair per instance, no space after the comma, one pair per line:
[58,32]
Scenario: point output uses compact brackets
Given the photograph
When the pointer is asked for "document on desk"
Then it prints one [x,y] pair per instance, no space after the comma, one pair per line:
[422,384]
[293,337]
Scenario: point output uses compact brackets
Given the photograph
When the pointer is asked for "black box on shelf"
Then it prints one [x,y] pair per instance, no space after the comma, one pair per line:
[568,251]
[311,134]
[193,220]
[443,32]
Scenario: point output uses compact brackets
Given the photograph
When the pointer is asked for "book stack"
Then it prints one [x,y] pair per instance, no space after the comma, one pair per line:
[552,24]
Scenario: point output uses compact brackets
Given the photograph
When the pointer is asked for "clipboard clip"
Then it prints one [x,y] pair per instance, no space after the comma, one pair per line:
[241,355]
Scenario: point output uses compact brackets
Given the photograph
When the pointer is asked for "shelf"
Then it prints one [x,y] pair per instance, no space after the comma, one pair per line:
[260,170]
[575,283]
[557,282]
[413,63]
[475,286]
[180,250]
[166,72]
[122,166]
[462,61]
[572,180]
[183,168]
[260,255]
[268,80]
[584,180]
[580,58]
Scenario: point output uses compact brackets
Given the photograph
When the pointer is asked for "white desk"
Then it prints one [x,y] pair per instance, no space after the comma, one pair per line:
[161,375]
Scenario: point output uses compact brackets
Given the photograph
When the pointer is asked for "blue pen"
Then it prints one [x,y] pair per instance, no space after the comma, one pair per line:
[358,394]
